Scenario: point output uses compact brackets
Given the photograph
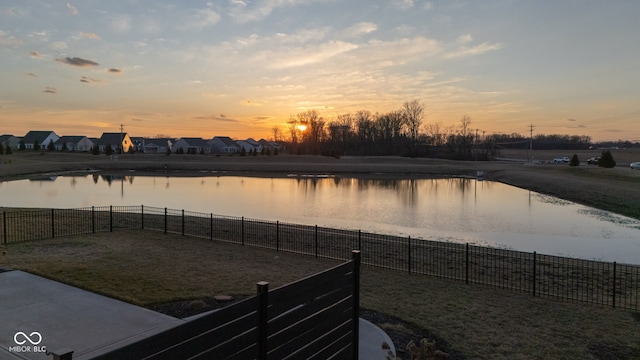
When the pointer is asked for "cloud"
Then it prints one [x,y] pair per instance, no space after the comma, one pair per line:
[572,120]
[115,71]
[243,12]
[465,51]
[361,29]
[50,90]
[248,102]
[403,4]
[74,11]
[89,80]
[58,45]
[76,61]
[121,23]
[312,55]
[203,18]
[136,119]
[9,40]
[464,39]
[31,74]
[220,118]
[35,54]
[88,35]
[428,6]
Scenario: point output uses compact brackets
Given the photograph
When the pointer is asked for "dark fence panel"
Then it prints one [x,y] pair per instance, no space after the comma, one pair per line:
[314,317]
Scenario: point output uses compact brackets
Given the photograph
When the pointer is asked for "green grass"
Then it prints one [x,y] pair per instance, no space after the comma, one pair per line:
[145,268]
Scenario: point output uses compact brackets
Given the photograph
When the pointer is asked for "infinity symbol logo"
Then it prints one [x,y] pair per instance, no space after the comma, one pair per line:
[29,338]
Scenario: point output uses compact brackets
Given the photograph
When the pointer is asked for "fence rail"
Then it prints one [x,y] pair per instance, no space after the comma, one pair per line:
[547,276]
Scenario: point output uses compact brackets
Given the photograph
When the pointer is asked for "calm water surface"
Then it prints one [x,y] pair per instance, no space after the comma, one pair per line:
[460,210]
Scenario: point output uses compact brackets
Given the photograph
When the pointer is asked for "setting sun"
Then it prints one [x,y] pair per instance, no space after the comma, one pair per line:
[301,127]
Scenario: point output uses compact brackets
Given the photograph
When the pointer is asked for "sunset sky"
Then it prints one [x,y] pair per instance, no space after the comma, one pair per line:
[238,67]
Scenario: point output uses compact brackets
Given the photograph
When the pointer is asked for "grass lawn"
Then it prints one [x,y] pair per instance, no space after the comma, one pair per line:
[149,268]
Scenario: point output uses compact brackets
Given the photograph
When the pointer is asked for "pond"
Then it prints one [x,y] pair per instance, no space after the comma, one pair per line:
[453,209]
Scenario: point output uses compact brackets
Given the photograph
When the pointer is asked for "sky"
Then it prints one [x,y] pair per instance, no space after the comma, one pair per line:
[239,68]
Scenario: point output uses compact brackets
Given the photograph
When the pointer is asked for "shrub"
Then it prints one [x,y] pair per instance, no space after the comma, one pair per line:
[575,161]
[606,160]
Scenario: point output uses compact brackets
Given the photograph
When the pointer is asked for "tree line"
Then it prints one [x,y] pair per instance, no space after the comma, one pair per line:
[404,132]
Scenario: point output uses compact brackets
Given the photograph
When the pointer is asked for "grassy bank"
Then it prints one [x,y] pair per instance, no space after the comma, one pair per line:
[148,268]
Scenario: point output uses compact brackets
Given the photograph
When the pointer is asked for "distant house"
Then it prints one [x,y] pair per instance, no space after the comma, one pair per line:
[224,145]
[74,143]
[271,145]
[9,140]
[249,145]
[40,138]
[191,146]
[119,142]
[156,145]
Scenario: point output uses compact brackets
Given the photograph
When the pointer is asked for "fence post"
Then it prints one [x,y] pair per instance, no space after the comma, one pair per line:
[533,287]
[355,255]
[93,219]
[182,222]
[4,227]
[614,284]
[359,239]
[466,264]
[316,245]
[142,215]
[242,231]
[165,220]
[263,318]
[110,218]
[277,235]
[53,226]
[211,228]
[409,253]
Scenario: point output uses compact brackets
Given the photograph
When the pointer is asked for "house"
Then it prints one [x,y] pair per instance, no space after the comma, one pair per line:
[155,146]
[191,146]
[40,139]
[271,145]
[9,140]
[249,145]
[223,144]
[74,143]
[119,142]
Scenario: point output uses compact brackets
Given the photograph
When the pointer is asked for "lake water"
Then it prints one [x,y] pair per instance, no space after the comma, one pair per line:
[459,210]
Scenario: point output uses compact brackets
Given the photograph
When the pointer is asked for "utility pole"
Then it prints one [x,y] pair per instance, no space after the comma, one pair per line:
[531,127]
[121,130]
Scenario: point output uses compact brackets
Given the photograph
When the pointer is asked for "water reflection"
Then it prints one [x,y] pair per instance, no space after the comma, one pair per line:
[453,209]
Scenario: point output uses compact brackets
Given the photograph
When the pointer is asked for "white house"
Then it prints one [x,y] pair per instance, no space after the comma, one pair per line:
[39,138]
[223,144]
[156,145]
[10,141]
[249,145]
[74,143]
[191,146]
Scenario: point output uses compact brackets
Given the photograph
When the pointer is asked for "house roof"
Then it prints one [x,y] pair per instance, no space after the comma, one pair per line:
[39,136]
[197,142]
[227,141]
[157,141]
[70,139]
[5,137]
[111,138]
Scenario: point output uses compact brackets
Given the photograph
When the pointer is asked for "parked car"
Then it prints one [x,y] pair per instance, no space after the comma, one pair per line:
[593,160]
[561,160]
[635,165]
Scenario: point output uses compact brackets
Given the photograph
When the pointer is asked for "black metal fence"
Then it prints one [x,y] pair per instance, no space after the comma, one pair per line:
[568,279]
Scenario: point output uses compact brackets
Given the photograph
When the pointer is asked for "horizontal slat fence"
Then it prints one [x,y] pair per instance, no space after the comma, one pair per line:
[548,276]
[316,317]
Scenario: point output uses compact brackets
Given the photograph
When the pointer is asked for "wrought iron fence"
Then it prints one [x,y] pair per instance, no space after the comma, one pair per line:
[548,276]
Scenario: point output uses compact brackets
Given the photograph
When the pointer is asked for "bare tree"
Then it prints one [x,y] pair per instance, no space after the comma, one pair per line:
[434,130]
[293,129]
[276,133]
[414,115]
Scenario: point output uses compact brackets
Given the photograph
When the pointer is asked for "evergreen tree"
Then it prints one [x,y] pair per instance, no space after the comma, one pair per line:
[8,151]
[575,161]
[168,151]
[36,145]
[95,150]
[51,146]
[606,160]
[1,149]
[108,150]
[23,146]
[243,152]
